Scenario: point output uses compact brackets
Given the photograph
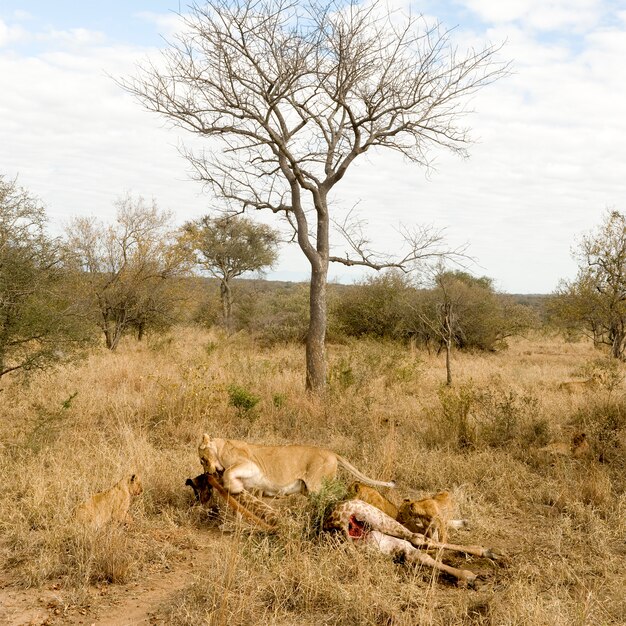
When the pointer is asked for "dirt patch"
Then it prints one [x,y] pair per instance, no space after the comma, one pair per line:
[113,605]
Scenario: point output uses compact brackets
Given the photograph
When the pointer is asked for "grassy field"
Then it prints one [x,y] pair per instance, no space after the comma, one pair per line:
[79,428]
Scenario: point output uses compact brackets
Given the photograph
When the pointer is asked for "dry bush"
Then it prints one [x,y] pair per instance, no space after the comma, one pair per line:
[75,430]
[471,416]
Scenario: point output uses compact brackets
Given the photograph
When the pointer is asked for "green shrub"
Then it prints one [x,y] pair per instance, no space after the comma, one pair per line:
[341,374]
[503,413]
[376,307]
[320,504]
[241,398]
[278,400]
[604,421]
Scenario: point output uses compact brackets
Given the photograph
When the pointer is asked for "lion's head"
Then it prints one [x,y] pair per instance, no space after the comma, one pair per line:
[580,445]
[207,452]
[134,485]
[418,515]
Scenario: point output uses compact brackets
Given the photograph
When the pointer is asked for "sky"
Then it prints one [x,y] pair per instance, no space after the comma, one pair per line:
[548,158]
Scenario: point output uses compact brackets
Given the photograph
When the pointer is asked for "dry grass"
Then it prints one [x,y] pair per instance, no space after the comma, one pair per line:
[78,429]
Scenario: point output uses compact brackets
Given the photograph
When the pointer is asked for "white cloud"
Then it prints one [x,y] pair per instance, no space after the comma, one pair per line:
[167,23]
[10,34]
[72,36]
[540,14]
[78,142]
[549,160]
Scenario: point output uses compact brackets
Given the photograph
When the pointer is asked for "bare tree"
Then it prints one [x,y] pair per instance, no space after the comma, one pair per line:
[292,93]
[444,321]
[125,265]
[228,247]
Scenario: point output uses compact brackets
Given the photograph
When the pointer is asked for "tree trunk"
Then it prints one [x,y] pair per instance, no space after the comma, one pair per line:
[141,327]
[113,329]
[116,335]
[108,339]
[448,364]
[227,305]
[449,338]
[617,345]
[316,334]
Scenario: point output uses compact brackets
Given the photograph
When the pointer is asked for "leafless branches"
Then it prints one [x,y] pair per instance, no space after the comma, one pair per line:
[292,93]
[422,245]
[289,94]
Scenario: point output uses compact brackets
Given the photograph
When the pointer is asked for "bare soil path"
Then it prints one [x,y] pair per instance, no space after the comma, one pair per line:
[115,605]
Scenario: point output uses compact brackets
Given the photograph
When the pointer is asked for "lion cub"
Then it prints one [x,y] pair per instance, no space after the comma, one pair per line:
[430,516]
[374,497]
[109,505]
[578,448]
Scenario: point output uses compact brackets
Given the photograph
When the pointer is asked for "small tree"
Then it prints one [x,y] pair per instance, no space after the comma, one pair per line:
[291,94]
[125,266]
[596,299]
[464,311]
[441,314]
[227,247]
[576,308]
[35,316]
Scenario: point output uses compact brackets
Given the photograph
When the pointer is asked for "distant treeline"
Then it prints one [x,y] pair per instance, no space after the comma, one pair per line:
[385,306]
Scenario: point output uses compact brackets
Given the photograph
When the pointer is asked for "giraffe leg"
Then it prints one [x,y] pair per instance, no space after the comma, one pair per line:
[399,547]
[429,544]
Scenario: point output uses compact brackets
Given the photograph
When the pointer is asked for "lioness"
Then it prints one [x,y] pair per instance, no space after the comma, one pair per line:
[109,505]
[273,470]
[595,380]
[578,448]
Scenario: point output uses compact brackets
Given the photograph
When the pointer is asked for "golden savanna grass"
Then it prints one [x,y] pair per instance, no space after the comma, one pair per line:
[70,432]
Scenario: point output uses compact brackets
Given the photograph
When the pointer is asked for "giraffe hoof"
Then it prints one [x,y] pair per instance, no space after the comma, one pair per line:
[494,555]
[467,579]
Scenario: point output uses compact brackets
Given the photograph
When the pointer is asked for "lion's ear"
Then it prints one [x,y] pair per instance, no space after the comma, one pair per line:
[133,478]
[406,500]
[206,440]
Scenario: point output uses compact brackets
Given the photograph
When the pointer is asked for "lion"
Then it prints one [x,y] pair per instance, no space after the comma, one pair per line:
[273,470]
[359,491]
[578,448]
[109,505]
[595,380]
[430,516]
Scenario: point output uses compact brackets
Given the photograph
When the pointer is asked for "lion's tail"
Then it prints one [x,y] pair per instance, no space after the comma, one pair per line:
[362,477]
